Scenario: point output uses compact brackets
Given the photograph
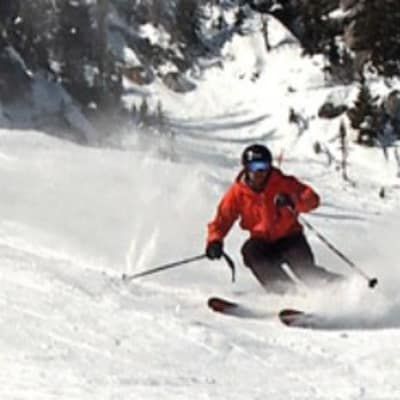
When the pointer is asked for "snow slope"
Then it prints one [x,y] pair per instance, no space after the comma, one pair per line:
[73,219]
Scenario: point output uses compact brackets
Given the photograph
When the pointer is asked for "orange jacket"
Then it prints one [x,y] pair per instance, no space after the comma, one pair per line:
[257,211]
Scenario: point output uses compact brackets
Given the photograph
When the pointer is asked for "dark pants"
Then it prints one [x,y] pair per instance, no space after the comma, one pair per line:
[265,261]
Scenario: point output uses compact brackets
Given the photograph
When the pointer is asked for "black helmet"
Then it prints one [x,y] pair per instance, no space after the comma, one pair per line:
[256,153]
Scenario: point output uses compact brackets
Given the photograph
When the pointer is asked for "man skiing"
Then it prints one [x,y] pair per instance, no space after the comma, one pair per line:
[268,203]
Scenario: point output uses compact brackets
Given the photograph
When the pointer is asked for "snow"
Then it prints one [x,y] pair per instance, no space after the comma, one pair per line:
[73,219]
[155,35]
[130,57]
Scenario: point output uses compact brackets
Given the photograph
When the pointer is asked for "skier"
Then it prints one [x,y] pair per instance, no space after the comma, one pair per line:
[268,203]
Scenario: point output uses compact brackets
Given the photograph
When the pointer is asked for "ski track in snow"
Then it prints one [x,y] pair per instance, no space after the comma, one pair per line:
[74,330]
[67,325]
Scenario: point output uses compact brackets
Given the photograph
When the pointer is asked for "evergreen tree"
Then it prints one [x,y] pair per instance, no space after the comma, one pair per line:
[364,116]
[87,68]
[109,82]
[187,13]
[386,49]
[8,12]
[160,115]
[316,32]
[364,106]
[157,12]
[30,27]
[343,150]
[76,50]
[375,27]
[144,113]
[312,22]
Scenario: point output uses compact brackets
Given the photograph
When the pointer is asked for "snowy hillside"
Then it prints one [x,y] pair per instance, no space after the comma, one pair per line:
[74,219]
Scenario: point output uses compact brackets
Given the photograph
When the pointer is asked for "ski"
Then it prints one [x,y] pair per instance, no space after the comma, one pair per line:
[308,320]
[221,305]
[232,308]
[296,318]
[288,316]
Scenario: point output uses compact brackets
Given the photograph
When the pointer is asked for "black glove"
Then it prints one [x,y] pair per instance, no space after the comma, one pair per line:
[214,250]
[283,200]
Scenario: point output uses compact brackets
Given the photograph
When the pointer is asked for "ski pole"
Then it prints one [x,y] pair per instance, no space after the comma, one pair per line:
[128,278]
[231,265]
[151,271]
[372,282]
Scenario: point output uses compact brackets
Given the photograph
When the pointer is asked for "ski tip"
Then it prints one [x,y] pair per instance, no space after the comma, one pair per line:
[289,316]
[220,305]
[289,312]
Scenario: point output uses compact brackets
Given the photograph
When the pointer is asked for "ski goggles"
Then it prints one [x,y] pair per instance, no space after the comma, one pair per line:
[258,166]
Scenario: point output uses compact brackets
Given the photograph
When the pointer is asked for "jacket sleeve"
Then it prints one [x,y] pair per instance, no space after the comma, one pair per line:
[304,197]
[227,213]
